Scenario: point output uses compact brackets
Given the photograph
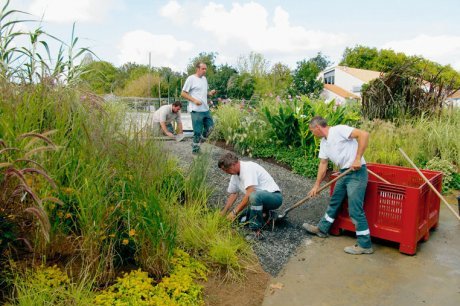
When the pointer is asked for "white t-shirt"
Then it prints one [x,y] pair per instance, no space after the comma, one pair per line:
[165,114]
[197,88]
[252,174]
[339,147]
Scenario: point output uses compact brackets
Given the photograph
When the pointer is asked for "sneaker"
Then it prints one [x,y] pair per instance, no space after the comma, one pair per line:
[314,230]
[254,236]
[357,250]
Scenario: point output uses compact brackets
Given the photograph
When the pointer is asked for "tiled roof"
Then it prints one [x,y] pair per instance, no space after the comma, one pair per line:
[340,91]
[455,95]
[362,74]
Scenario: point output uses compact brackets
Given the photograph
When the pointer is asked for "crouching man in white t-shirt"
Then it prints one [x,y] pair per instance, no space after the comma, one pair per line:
[261,192]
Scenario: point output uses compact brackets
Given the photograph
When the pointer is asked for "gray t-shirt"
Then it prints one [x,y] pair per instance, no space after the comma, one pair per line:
[165,114]
[197,88]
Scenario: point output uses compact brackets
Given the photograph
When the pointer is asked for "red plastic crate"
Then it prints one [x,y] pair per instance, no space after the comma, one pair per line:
[404,211]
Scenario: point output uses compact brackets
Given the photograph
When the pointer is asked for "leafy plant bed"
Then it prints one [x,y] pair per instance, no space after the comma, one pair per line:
[222,144]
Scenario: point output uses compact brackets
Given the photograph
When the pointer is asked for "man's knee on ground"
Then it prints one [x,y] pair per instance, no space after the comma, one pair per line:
[253,198]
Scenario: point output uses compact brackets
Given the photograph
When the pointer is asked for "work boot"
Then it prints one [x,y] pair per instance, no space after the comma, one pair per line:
[357,250]
[314,230]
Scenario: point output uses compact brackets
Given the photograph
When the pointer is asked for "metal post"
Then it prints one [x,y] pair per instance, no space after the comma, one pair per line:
[458,200]
[150,68]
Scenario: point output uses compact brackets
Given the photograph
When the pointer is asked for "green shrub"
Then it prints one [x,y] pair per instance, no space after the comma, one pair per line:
[290,122]
[50,286]
[300,162]
[448,171]
[179,288]
[244,128]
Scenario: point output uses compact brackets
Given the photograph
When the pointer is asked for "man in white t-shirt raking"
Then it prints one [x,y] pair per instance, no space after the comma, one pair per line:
[260,191]
[345,147]
[195,90]
[165,116]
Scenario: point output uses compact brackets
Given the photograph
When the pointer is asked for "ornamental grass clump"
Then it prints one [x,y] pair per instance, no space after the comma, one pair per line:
[211,237]
[423,139]
[25,188]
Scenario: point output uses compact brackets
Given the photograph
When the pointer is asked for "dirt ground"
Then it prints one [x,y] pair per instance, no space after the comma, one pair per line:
[249,291]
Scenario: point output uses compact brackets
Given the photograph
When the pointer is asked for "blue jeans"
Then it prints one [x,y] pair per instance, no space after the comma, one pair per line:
[158,131]
[260,201]
[202,124]
[354,185]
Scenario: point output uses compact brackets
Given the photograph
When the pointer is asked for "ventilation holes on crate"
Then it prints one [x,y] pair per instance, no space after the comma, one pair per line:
[390,208]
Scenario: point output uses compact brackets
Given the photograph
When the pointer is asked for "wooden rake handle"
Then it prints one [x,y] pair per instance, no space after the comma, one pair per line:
[429,184]
[321,189]
[378,176]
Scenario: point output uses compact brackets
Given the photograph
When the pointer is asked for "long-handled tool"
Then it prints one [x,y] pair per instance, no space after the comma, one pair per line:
[378,176]
[308,197]
[429,184]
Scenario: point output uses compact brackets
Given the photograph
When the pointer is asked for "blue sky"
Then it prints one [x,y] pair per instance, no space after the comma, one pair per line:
[121,31]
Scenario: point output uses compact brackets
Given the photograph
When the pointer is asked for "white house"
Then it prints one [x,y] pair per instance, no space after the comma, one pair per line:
[342,83]
[454,99]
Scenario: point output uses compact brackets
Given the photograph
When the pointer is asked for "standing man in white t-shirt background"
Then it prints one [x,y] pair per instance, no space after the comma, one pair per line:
[261,193]
[195,90]
[165,116]
[344,146]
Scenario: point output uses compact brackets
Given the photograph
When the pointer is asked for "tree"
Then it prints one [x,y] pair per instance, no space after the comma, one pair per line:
[360,57]
[221,78]
[129,72]
[387,60]
[241,86]
[321,61]
[100,76]
[280,79]
[406,92]
[305,79]
[254,64]
[144,86]
[276,82]
[208,58]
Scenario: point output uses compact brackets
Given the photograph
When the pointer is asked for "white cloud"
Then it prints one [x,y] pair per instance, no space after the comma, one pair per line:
[443,49]
[165,49]
[66,11]
[249,24]
[173,11]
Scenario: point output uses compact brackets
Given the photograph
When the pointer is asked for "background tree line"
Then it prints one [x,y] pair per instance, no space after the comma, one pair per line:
[253,75]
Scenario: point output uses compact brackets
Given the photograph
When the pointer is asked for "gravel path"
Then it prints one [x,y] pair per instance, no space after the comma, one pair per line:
[279,244]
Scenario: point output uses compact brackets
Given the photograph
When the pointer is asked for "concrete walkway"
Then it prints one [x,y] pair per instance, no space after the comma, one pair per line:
[322,274]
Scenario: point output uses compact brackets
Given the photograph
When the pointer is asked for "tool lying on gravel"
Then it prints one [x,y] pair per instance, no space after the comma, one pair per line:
[281,216]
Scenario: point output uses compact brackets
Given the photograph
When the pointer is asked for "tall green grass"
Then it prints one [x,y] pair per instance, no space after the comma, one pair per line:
[124,200]
[422,139]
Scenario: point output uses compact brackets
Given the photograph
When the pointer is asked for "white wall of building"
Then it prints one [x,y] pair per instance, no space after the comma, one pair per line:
[328,96]
[348,82]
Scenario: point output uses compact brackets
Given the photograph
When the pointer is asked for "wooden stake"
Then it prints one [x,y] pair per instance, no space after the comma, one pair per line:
[429,184]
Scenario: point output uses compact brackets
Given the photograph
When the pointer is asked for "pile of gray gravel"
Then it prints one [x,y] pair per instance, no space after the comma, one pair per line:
[273,251]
